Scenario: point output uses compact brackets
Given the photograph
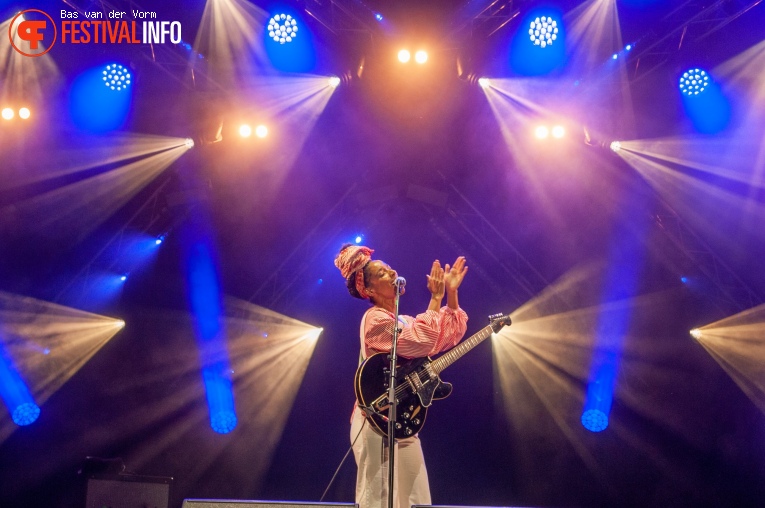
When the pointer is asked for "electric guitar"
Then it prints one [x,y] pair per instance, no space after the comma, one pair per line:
[417,383]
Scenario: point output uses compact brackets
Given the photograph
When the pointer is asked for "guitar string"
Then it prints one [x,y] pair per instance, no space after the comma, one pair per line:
[467,345]
[475,338]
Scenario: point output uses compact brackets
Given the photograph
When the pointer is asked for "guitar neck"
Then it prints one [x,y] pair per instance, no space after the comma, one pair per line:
[456,353]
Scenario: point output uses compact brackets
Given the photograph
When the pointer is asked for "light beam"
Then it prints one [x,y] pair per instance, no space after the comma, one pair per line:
[47,344]
[737,343]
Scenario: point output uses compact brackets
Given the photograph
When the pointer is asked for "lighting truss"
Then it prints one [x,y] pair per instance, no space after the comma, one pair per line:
[689,23]
[731,294]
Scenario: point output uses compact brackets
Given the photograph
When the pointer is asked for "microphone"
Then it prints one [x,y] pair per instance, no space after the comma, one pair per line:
[399,282]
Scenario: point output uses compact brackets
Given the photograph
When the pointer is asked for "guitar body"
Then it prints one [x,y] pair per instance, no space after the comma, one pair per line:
[417,384]
[416,388]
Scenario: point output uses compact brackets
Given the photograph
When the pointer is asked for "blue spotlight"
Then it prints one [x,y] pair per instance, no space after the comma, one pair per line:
[378,16]
[123,278]
[547,50]
[694,81]
[116,77]
[26,413]
[220,400]
[160,239]
[543,31]
[684,280]
[600,394]
[96,108]
[206,306]
[223,422]
[594,420]
[625,262]
[359,239]
[615,56]
[15,393]
[286,50]
[282,28]
[628,47]
[704,103]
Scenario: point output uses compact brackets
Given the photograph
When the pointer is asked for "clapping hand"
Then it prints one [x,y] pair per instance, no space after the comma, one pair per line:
[453,275]
[436,281]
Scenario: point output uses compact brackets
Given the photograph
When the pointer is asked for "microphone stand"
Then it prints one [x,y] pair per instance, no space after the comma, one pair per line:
[392,402]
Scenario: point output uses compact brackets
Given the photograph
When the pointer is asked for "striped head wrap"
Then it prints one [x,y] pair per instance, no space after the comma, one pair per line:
[352,259]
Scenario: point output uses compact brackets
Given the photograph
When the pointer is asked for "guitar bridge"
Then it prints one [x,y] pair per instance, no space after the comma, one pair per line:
[414,382]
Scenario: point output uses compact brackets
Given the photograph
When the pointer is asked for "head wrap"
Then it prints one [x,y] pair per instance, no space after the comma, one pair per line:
[352,259]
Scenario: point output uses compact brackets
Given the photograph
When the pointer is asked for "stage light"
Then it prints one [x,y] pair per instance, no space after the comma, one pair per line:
[24,113]
[615,146]
[421,57]
[67,337]
[8,114]
[684,280]
[26,413]
[543,31]
[261,131]
[484,82]
[705,102]
[628,47]
[100,98]
[615,56]
[284,49]
[245,131]
[189,143]
[205,301]
[594,420]
[694,81]
[558,131]
[378,16]
[359,239]
[282,28]
[696,333]
[541,132]
[123,278]
[159,240]
[313,334]
[14,392]
[116,77]
[334,81]
[404,56]
[223,422]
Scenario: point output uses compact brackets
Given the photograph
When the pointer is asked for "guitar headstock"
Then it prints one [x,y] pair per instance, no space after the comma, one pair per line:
[499,321]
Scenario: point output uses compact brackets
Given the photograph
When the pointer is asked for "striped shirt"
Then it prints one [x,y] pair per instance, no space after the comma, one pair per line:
[426,334]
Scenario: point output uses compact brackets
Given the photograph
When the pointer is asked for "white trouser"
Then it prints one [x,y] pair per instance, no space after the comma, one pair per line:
[410,485]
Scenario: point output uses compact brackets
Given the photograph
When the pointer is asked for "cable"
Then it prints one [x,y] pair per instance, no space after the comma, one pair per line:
[343,461]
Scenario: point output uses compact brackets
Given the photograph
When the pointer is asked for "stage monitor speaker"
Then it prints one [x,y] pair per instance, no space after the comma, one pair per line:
[232,503]
[127,491]
[459,506]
